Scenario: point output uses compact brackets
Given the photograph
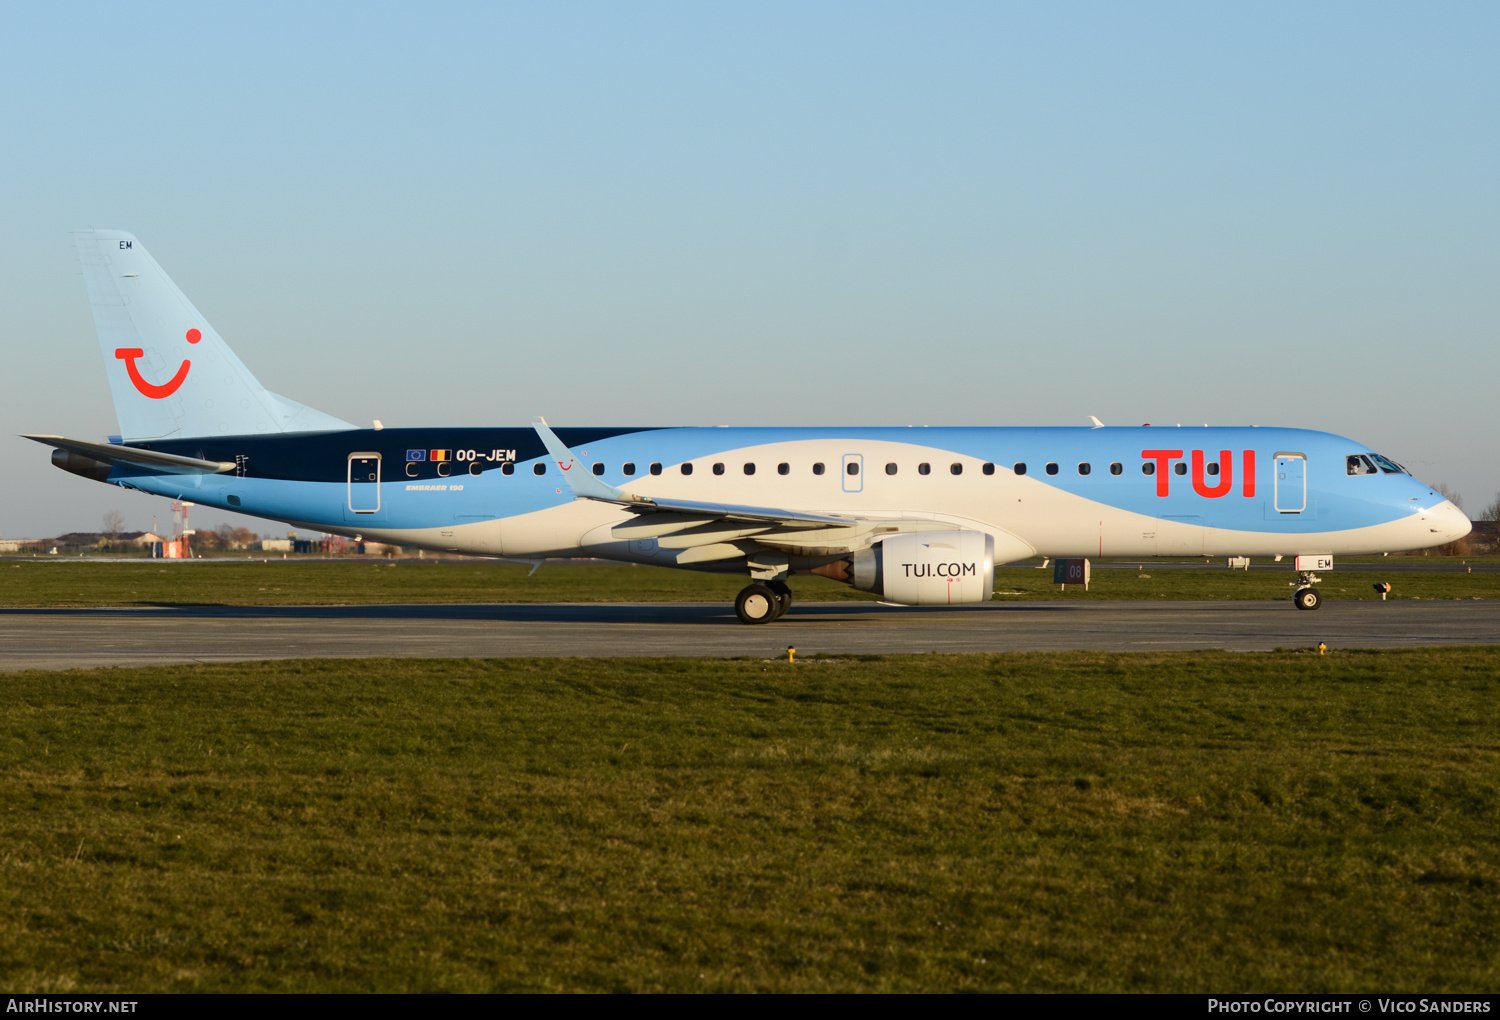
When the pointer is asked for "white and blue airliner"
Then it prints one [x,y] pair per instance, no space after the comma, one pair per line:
[918,516]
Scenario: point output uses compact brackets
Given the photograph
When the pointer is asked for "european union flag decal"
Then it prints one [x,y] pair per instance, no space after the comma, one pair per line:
[412,455]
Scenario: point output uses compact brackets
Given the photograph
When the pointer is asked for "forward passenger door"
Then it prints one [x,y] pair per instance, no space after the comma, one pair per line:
[1291,483]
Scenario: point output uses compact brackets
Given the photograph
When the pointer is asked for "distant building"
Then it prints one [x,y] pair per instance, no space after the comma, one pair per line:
[77,541]
[281,545]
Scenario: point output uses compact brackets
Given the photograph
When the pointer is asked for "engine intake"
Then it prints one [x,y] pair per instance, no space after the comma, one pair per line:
[927,568]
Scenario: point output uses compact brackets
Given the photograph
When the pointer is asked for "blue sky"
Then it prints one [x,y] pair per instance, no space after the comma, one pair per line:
[771,214]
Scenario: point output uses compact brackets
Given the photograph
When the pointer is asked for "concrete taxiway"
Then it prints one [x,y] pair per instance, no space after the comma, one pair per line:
[69,638]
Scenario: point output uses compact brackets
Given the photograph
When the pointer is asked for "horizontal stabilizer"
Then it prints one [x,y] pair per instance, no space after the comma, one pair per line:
[110,453]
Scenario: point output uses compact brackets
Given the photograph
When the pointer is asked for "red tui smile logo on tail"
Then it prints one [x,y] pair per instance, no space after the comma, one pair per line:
[166,389]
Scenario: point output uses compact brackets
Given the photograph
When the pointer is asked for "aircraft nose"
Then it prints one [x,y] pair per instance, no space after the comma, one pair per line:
[1445,523]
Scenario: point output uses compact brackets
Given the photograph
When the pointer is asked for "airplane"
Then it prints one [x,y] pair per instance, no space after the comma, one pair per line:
[915,515]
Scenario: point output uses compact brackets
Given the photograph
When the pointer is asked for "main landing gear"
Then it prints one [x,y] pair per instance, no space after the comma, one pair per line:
[763,602]
[1304,595]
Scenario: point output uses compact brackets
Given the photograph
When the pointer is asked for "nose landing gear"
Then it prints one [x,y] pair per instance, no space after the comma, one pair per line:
[1304,595]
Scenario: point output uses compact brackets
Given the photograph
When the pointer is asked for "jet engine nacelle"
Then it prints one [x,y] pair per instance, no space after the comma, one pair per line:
[928,568]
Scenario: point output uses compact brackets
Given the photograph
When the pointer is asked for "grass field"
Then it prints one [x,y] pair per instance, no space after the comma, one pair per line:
[289,582]
[1248,822]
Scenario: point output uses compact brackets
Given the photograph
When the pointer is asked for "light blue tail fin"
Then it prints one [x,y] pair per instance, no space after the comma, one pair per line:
[170,373]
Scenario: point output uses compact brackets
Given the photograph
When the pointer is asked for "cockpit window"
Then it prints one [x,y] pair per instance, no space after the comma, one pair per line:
[1390,467]
[1359,464]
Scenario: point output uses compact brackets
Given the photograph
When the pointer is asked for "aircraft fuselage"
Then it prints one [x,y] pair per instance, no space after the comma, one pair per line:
[1060,492]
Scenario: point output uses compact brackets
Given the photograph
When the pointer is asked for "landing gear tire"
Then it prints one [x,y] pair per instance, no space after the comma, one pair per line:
[1306,598]
[783,596]
[757,604]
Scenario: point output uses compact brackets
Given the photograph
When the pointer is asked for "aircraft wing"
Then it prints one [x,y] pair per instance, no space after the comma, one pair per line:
[724,530]
[111,453]
[586,486]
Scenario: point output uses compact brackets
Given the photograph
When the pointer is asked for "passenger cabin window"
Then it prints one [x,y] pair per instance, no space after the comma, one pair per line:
[1020,467]
[1358,465]
[1084,468]
[539,468]
[851,468]
[818,468]
[687,467]
[1212,467]
[1116,468]
[955,469]
[718,469]
[598,469]
[1148,468]
[749,469]
[890,469]
[628,468]
[656,469]
[1180,467]
[924,469]
[783,469]
[988,468]
[507,469]
[1052,469]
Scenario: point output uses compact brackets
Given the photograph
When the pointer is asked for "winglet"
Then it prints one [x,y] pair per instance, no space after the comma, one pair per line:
[575,472]
[1097,423]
